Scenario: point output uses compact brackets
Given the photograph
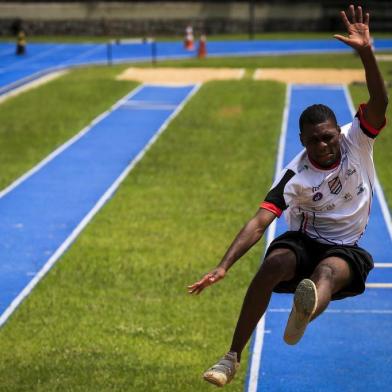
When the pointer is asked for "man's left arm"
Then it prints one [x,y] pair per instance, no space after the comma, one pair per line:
[359,39]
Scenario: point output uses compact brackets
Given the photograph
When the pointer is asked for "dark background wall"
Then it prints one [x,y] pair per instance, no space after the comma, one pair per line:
[130,18]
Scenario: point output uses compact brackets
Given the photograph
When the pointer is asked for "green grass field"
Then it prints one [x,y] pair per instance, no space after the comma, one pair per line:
[114,314]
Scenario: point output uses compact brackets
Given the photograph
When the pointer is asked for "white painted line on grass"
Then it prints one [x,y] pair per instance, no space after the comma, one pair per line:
[67,144]
[27,60]
[259,332]
[104,198]
[339,311]
[34,83]
[378,285]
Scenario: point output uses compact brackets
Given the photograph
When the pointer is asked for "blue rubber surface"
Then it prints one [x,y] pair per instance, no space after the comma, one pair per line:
[349,347]
[42,58]
[40,213]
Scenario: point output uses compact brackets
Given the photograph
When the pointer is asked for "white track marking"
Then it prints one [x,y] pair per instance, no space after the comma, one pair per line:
[256,355]
[104,198]
[259,332]
[34,83]
[378,285]
[383,265]
[33,58]
[67,144]
[339,311]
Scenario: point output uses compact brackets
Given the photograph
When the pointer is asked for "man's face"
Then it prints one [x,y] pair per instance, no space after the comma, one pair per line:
[322,142]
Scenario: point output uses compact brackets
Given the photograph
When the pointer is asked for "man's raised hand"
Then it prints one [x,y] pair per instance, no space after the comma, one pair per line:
[358,29]
[207,280]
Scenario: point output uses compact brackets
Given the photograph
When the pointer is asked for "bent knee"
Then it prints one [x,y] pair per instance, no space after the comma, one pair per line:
[280,264]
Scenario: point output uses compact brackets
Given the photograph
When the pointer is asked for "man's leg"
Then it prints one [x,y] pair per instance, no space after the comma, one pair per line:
[279,265]
[330,276]
[313,295]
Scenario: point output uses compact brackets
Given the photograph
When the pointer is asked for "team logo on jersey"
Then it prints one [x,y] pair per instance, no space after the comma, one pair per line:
[304,167]
[360,189]
[317,196]
[335,185]
[348,196]
[350,172]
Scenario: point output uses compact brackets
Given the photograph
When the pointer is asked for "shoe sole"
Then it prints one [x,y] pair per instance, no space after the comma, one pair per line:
[305,303]
[213,380]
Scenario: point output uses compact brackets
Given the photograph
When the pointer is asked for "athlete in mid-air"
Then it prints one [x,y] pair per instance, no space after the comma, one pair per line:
[326,193]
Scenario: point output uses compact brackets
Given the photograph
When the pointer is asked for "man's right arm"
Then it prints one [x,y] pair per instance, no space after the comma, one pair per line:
[245,239]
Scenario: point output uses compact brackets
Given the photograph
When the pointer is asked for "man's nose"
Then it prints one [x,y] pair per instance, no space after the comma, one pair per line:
[322,145]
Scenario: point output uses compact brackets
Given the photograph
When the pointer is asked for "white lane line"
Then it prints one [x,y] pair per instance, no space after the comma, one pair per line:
[34,83]
[60,149]
[254,368]
[148,106]
[379,192]
[33,58]
[383,265]
[339,311]
[104,198]
[378,285]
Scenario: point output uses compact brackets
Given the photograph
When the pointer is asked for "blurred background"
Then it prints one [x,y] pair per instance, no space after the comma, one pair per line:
[169,18]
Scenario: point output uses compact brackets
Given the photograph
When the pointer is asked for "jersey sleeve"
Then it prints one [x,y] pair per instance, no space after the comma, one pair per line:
[364,126]
[275,200]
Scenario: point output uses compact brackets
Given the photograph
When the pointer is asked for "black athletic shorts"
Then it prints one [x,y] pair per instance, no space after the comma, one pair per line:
[309,254]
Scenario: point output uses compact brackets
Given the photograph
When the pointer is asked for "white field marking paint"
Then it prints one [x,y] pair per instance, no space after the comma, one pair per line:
[96,48]
[27,79]
[379,192]
[147,106]
[259,332]
[33,58]
[340,311]
[67,144]
[256,74]
[256,355]
[378,285]
[104,198]
[241,73]
[34,83]
[383,265]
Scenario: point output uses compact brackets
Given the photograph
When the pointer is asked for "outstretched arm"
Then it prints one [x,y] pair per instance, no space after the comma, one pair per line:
[245,239]
[359,39]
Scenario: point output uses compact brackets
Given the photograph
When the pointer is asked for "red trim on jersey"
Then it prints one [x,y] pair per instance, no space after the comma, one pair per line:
[271,207]
[368,127]
[316,165]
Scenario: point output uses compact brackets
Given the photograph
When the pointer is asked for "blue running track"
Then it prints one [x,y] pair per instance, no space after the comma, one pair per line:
[349,348]
[43,58]
[43,212]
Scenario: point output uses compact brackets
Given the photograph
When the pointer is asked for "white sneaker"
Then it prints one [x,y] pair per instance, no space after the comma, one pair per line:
[223,371]
[305,303]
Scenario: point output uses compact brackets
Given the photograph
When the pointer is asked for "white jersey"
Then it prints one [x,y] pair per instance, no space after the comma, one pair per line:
[329,205]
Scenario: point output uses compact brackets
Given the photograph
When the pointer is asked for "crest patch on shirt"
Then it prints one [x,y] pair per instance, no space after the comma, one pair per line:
[335,185]
[317,196]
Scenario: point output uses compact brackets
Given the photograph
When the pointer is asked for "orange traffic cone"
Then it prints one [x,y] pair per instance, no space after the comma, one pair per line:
[188,41]
[202,51]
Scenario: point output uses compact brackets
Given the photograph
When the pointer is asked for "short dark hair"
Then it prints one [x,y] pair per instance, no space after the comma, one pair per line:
[316,114]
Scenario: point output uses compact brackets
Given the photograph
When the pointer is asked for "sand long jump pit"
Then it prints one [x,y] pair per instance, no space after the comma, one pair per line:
[285,75]
[311,75]
[180,75]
